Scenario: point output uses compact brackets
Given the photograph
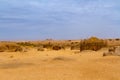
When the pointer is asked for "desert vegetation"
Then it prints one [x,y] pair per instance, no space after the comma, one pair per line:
[87,59]
[10,47]
[92,43]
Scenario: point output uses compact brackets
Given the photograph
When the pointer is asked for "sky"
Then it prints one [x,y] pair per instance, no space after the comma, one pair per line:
[59,19]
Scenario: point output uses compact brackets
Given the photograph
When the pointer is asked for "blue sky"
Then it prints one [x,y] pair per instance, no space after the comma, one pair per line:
[59,19]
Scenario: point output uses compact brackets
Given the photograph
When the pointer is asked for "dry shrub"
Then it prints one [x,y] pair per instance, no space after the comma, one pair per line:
[117,39]
[10,47]
[75,46]
[48,45]
[92,43]
[66,45]
[40,49]
[57,48]
[30,44]
[2,48]
[54,46]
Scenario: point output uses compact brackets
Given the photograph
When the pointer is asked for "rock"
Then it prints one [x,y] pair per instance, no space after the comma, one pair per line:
[114,51]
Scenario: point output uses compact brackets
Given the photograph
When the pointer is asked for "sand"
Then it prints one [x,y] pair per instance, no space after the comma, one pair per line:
[59,65]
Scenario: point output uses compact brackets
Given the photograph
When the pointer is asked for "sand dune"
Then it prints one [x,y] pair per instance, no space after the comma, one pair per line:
[59,65]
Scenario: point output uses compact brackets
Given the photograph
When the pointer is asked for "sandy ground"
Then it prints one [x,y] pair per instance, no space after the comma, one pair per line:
[59,65]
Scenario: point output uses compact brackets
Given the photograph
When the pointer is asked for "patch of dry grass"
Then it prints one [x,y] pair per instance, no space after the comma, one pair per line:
[9,47]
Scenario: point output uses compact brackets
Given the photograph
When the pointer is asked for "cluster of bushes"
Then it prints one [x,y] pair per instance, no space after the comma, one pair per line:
[53,46]
[92,43]
[41,46]
[10,47]
[26,44]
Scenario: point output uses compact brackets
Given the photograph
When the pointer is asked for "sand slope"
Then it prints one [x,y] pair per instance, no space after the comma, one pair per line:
[59,65]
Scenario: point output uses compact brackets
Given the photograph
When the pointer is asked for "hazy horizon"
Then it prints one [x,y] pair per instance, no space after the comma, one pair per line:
[59,19]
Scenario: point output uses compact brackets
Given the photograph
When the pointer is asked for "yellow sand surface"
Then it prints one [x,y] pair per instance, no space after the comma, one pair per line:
[59,65]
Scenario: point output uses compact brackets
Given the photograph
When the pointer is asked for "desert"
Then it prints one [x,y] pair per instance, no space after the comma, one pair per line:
[63,64]
[59,39]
